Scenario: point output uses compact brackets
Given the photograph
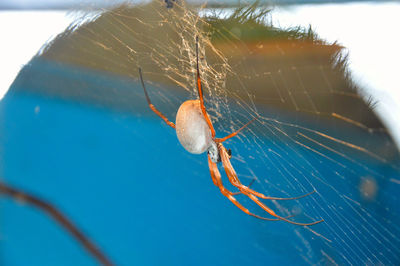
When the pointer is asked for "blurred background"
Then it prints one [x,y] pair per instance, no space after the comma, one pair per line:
[75,130]
[349,23]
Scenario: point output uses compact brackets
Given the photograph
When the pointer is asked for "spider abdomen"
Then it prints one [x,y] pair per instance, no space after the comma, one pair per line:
[192,129]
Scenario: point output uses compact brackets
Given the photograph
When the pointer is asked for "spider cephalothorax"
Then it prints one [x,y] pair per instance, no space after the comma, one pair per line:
[213,153]
[196,134]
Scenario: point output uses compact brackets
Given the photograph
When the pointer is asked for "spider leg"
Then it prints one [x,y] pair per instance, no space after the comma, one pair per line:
[249,185]
[253,195]
[265,208]
[218,181]
[200,90]
[220,140]
[152,107]
[232,176]
[216,177]
[214,173]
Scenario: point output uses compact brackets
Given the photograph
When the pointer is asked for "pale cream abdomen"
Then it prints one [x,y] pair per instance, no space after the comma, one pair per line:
[192,129]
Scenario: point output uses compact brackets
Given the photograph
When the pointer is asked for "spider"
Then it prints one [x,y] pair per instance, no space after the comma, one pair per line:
[196,134]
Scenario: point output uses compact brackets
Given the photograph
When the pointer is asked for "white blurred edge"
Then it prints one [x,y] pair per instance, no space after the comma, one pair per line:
[23,34]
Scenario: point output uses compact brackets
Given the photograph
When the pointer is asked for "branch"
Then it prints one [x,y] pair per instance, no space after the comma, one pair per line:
[52,211]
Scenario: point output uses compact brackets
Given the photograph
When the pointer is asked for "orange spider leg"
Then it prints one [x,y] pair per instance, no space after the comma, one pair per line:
[203,108]
[230,172]
[216,177]
[218,181]
[214,172]
[232,176]
[265,208]
[239,192]
[169,123]
[220,140]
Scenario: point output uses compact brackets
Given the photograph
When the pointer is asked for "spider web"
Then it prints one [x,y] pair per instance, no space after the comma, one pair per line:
[313,130]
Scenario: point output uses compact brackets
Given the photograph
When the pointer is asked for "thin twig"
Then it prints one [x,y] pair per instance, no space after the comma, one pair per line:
[52,211]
